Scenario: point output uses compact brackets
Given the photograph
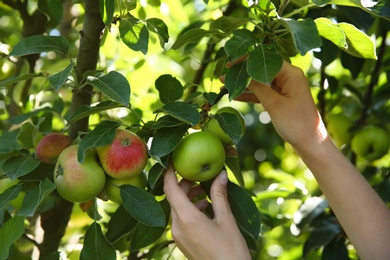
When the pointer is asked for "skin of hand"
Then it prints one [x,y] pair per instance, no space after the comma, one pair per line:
[361,212]
[196,235]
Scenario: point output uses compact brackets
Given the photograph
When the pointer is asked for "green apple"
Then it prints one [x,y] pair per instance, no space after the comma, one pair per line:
[339,128]
[6,183]
[125,157]
[112,186]
[50,146]
[199,156]
[213,126]
[78,182]
[371,142]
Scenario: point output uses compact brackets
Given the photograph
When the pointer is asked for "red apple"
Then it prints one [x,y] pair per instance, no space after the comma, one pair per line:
[51,146]
[78,182]
[125,157]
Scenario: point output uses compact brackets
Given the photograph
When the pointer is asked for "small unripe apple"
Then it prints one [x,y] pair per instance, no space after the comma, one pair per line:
[371,142]
[78,182]
[112,186]
[6,183]
[199,156]
[125,157]
[339,128]
[213,126]
[51,146]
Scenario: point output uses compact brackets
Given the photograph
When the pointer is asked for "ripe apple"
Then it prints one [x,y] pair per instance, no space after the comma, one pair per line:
[339,126]
[78,182]
[51,146]
[6,183]
[112,186]
[371,142]
[213,126]
[125,157]
[199,156]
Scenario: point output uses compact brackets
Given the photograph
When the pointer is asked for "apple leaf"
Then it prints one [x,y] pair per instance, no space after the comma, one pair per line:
[160,28]
[102,134]
[107,8]
[35,196]
[155,176]
[239,44]
[182,111]
[22,77]
[85,110]
[166,121]
[58,80]
[40,43]
[114,85]
[194,36]
[228,24]
[170,89]
[244,209]
[231,125]
[232,163]
[134,34]
[96,245]
[264,63]
[138,238]
[19,165]
[166,139]
[236,80]
[330,31]
[121,223]
[142,206]
[304,34]
[10,231]
[9,194]
[53,9]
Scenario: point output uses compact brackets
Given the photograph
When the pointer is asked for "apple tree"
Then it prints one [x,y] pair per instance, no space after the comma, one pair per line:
[84,69]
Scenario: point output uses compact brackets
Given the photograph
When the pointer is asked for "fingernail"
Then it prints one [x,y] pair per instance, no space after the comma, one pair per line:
[223,178]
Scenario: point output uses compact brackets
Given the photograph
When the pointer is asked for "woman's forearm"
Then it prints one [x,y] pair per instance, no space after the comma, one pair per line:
[361,212]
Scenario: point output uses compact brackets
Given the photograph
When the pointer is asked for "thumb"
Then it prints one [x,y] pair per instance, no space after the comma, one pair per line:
[218,194]
[266,95]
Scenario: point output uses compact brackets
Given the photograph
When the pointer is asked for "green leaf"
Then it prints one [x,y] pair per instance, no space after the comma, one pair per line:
[19,165]
[120,223]
[170,89]
[102,134]
[40,43]
[166,121]
[160,28]
[240,43]
[59,79]
[12,230]
[378,8]
[22,77]
[85,110]
[304,33]
[114,85]
[359,44]
[35,196]
[264,63]
[194,36]
[244,209]
[155,175]
[107,8]
[182,111]
[9,147]
[166,139]
[228,24]
[233,163]
[96,245]
[142,206]
[53,10]
[231,125]
[25,136]
[331,31]
[8,195]
[336,249]
[134,34]
[138,238]
[236,80]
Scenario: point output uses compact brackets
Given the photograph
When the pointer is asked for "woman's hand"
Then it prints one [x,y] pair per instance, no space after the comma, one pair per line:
[197,236]
[290,105]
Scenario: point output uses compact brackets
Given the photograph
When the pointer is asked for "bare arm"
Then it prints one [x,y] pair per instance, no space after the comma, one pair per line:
[363,215]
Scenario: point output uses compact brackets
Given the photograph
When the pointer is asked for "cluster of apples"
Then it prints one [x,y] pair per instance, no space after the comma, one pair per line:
[200,155]
[370,142]
[104,169]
